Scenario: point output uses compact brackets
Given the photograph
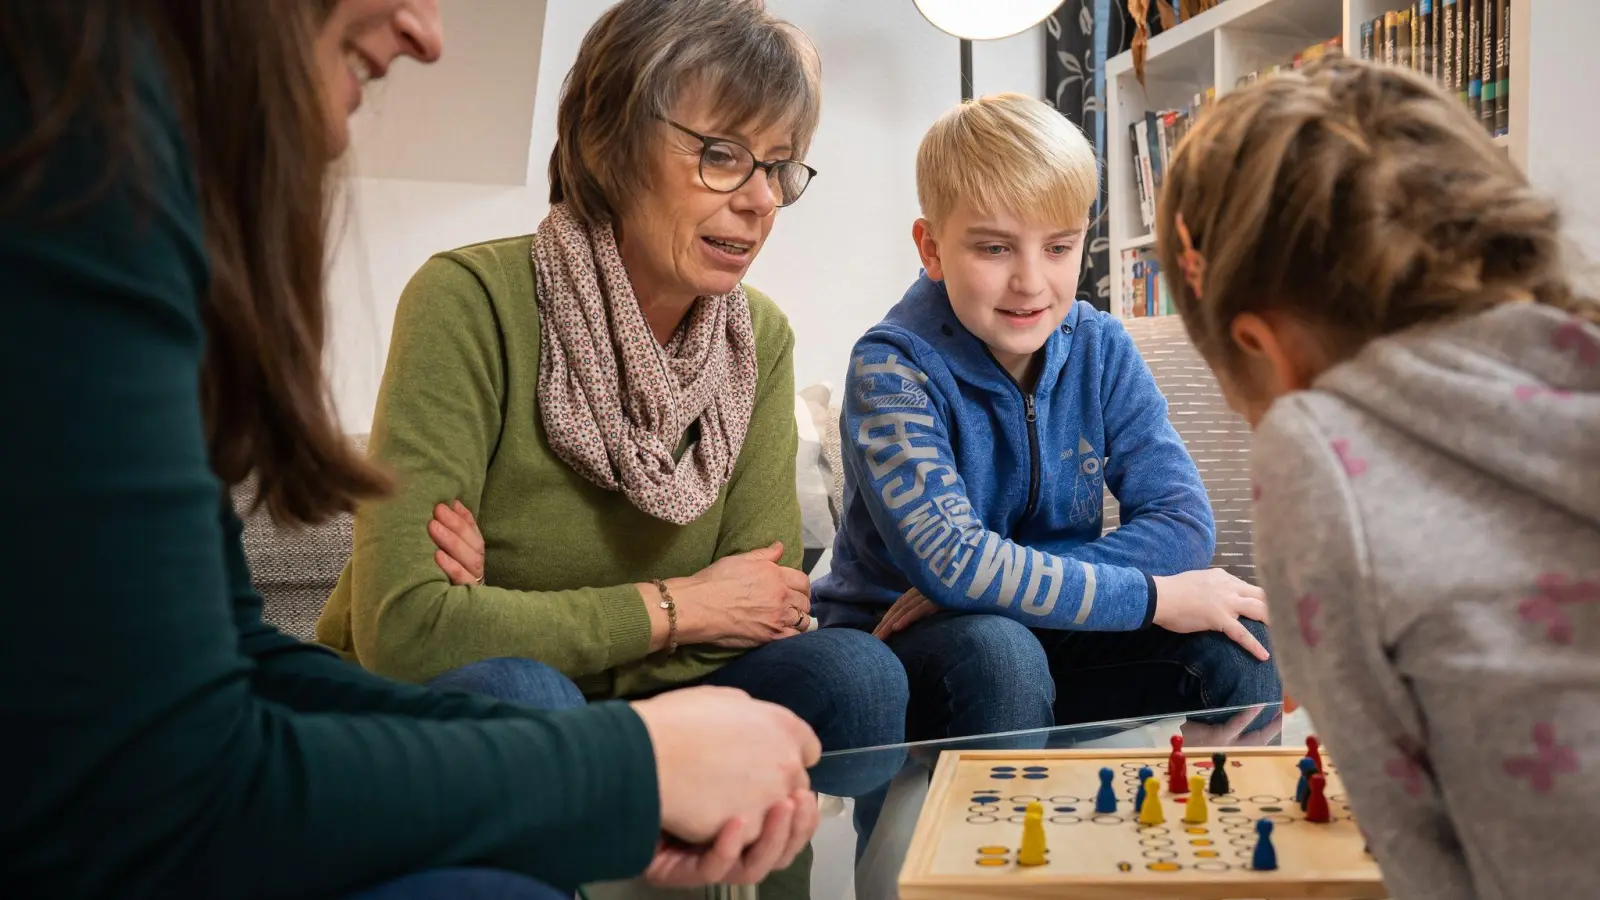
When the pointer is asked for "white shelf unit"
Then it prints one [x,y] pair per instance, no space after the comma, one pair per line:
[1552,60]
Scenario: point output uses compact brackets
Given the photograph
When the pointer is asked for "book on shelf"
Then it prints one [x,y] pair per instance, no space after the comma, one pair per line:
[1144,291]
[1155,139]
[1461,44]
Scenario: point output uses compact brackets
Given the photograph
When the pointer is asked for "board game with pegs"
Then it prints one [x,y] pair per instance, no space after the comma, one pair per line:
[970,830]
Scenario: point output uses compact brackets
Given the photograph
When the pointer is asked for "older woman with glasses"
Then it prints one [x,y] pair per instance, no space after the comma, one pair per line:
[593,427]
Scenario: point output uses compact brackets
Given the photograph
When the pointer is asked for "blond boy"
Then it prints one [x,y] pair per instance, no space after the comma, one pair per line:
[983,419]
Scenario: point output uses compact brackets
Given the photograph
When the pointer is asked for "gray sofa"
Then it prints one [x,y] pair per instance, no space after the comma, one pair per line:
[295,569]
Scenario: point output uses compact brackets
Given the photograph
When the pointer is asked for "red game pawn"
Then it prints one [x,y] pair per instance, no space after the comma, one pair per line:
[1314,750]
[1177,768]
[1317,804]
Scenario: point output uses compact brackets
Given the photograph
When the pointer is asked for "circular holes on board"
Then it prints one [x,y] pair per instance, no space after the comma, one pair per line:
[1064,820]
[981,820]
[1161,855]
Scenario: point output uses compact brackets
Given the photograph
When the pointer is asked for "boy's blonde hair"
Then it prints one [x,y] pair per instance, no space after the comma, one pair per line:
[1361,199]
[1007,152]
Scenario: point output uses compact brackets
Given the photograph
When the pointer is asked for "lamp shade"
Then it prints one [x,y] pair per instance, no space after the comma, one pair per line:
[984,20]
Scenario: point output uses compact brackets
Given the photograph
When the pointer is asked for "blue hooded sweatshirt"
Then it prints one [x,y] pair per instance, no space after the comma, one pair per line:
[987,498]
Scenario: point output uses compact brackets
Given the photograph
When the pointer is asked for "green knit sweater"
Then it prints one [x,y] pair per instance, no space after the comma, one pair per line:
[458,418]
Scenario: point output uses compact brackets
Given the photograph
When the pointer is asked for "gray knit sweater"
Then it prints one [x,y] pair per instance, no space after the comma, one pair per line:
[1428,534]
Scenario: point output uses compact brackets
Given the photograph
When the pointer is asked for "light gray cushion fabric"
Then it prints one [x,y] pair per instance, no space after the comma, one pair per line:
[294,569]
[1217,438]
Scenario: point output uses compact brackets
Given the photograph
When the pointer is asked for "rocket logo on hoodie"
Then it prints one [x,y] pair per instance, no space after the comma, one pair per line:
[1088,491]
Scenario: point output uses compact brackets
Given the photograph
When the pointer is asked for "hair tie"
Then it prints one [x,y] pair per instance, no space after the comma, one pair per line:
[1190,261]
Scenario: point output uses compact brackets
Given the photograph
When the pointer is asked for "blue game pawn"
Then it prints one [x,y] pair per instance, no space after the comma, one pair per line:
[1105,802]
[1302,791]
[1264,858]
[1138,799]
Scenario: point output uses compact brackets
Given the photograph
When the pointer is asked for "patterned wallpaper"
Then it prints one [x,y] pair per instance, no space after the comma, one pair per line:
[1079,37]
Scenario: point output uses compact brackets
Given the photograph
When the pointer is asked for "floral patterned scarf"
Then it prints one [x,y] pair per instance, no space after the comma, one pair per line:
[614,402]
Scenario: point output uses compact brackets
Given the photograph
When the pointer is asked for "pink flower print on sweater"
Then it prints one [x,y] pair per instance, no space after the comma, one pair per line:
[1549,760]
[1575,339]
[1354,466]
[1549,606]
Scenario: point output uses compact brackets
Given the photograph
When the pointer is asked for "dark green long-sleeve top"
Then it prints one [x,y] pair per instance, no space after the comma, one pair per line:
[162,740]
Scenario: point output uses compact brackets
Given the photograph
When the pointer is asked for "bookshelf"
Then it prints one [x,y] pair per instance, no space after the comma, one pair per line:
[1551,134]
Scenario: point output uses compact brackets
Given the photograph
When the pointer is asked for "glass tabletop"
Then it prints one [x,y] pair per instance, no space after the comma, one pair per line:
[872,797]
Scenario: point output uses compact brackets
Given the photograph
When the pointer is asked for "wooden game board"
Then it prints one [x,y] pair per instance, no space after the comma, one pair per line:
[967,836]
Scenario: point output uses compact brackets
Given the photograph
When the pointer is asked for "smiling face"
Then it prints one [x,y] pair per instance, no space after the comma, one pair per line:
[1010,282]
[678,238]
[358,43]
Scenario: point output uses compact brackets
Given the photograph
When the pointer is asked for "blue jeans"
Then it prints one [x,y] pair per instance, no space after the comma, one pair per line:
[845,684]
[463,884]
[973,674]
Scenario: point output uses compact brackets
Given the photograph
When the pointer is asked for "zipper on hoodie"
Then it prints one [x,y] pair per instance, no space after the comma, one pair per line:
[1033,454]
[1031,413]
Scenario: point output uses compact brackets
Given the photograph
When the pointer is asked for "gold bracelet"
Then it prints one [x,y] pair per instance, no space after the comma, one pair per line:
[671,606]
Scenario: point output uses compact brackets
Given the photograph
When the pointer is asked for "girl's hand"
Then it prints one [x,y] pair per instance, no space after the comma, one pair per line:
[455,532]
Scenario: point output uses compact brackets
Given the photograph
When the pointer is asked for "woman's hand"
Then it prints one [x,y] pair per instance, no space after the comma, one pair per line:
[743,600]
[1211,600]
[720,757]
[909,608]
[455,532]
[789,825]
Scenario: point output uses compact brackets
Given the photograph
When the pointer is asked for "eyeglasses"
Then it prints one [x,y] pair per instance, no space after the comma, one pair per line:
[725,166]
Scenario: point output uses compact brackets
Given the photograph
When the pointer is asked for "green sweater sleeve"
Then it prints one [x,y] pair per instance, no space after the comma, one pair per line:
[175,747]
[437,424]
[762,504]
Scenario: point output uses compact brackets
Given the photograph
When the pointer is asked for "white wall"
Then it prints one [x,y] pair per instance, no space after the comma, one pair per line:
[836,260]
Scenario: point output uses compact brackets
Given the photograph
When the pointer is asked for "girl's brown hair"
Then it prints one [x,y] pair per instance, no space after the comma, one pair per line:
[1359,198]
[246,77]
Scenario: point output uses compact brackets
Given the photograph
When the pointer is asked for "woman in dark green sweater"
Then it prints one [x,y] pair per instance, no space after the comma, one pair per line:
[162,176]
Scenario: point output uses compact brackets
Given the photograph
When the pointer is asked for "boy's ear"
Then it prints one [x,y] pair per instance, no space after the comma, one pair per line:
[928,248]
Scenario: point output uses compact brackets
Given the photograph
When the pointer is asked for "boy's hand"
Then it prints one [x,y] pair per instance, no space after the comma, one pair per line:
[909,608]
[1211,600]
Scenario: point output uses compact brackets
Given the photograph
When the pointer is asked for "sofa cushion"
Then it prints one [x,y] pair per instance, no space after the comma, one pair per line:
[294,569]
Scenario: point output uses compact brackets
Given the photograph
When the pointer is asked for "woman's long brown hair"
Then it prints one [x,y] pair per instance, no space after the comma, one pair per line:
[246,76]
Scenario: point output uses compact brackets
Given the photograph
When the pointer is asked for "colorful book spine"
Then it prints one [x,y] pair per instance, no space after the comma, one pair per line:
[1430,21]
[1416,36]
[1391,38]
[1474,30]
[1502,65]
[1487,92]
[1447,44]
[1402,42]
[1366,40]
[1463,49]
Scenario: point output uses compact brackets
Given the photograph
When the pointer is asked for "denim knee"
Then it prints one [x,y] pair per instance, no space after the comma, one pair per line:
[976,674]
[513,680]
[870,687]
[1237,678]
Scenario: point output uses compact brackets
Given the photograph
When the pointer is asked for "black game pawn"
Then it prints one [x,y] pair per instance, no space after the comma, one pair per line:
[1219,774]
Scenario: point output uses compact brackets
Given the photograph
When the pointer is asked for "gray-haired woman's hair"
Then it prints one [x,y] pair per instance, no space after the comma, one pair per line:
[640,59]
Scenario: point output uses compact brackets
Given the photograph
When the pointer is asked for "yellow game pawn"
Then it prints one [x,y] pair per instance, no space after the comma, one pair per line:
[1031,853]
[1150,813]
[1195,812]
